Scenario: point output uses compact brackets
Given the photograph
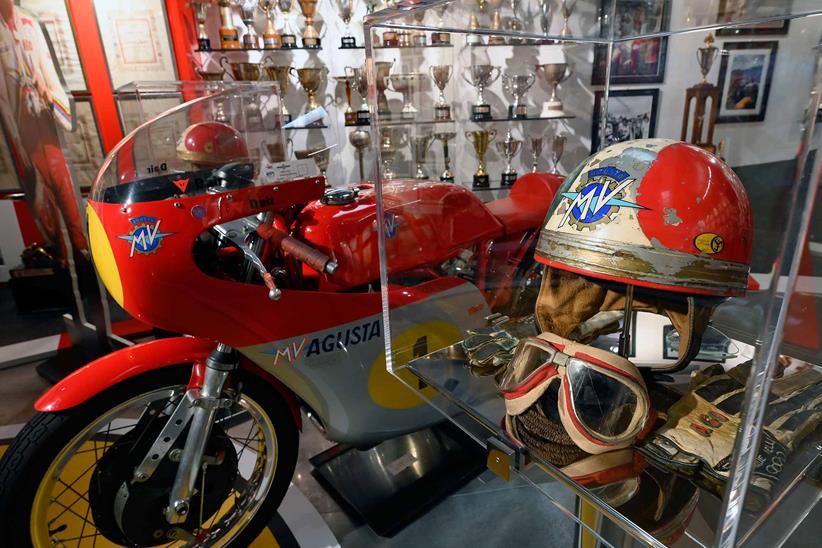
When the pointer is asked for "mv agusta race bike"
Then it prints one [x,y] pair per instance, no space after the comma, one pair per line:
[275,280]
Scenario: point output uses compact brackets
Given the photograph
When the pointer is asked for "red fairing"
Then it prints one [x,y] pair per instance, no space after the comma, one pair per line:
[426,223]
[525,207]
[721,207]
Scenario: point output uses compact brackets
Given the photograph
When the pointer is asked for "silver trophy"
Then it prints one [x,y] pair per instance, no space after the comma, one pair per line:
[536,152]
[346,9]
[419,148]
[441,74]
[554,74]
[557,148]
[706,56]
[251,39]
[360,139]
[517,86]
[200,14]
[481,76]
[446,176]
[545,16]
[514,23]
[391,140]
[566,8]
[359,81]
[508,148]
[406,84]
[288,35]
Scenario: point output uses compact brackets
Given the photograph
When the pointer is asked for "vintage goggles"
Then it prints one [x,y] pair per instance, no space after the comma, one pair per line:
[602,401]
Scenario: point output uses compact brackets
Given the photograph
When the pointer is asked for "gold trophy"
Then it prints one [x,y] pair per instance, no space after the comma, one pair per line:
[311,38]
[279,74]
[288,36]
[481,139]
[271,38]
[700,93]
[419,149]
[360,139]
[310,79]
[554,74]
[566,8]
[446,176]
[229,37]
[200,12]
[496,22]
[243,70]
[350,114]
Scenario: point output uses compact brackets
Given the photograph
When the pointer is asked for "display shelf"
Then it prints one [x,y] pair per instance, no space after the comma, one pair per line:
[348,49]
[525,42]
[318,126]
[240,50]
[529,119]
[398,122]
[416,47]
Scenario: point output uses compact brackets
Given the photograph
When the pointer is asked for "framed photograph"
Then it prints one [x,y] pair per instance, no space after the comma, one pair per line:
[735,10]
[54,15]
[639,61]
[136,41]
[745,80]
[631,115]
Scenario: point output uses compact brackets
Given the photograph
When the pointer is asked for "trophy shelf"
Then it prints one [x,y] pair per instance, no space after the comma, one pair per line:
[240,50]
[416,47]
[322,126]
[529,43]
[529,119]
[390,121]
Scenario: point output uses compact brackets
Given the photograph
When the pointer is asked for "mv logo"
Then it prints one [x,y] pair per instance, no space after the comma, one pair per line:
[145,237]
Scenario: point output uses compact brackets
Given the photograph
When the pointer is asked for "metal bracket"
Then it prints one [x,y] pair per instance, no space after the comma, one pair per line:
[504,457]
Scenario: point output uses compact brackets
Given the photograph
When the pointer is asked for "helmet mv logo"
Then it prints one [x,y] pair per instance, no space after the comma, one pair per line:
[599,198]
[145,237]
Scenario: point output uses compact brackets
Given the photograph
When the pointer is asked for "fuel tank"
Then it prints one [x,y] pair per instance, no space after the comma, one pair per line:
[425,224]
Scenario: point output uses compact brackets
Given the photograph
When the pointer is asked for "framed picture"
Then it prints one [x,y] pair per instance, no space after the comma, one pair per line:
[735,10]
[639,61]
[631,115]
[54,15]
[84,145]
[745,80]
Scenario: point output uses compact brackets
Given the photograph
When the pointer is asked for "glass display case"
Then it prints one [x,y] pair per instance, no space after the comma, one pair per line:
[635,334]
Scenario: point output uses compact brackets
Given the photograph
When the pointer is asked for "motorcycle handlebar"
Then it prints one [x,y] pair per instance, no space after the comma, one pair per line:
[303,252]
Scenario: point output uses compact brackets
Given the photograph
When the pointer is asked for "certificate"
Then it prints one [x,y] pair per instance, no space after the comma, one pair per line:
[136,41]
[54,16]
[84,147]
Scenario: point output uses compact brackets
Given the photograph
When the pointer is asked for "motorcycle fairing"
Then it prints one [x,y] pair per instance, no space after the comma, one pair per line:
[341,372]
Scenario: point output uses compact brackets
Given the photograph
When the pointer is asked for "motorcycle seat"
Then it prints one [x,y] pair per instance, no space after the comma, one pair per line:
[527,204]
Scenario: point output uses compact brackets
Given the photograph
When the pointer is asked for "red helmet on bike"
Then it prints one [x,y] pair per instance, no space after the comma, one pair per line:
[211,144]
[655,213]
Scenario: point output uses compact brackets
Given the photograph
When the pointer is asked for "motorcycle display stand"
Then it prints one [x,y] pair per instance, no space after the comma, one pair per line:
[418,471]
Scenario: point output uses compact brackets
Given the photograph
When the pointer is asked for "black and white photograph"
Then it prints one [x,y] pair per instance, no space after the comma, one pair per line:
[639,61]
[745,80]
[631,115]
[731,11]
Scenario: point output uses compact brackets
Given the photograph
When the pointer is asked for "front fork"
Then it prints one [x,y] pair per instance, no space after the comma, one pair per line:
[198,407]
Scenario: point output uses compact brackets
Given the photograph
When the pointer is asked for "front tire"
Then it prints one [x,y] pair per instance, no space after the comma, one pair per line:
[46,472]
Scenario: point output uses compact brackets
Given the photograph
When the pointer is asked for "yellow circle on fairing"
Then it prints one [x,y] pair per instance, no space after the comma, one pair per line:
[384,387]
[103,256]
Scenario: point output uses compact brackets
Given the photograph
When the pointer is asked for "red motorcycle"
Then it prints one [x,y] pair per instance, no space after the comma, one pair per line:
[276,280]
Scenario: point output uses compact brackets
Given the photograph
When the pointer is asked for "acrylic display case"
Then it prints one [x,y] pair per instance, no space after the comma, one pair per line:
[481,108]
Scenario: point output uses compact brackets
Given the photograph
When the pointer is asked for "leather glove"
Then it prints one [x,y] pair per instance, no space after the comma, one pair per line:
[698,438]
[489,349]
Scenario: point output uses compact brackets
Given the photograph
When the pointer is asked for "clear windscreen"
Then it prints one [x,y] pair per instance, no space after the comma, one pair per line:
[215,140]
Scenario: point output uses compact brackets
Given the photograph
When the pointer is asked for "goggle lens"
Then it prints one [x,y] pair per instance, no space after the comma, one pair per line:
[602,404]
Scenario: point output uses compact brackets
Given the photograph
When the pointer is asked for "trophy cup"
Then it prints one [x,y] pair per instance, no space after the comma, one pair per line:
[350,114]
[251,39]
[418,37]
[481,139]
[441,38]
[481,76]
[200,13]
[211,75]
[700,93]
[310,79]
[346,9]
[382,70]
[566,8]
[279,74]
[371,6]
[441,74]
[320,155]
[496,22]
[419,148]
[288,36]
[405,84]
[271,38]
[229,37]
[554,74]
[311,37]
[536,152]
[359,81]
[514,22]
[242,70]
[518,85]
[473,39]
[508,148]
[545,16]
[557,148]
[391,139]
[360,140]
[446,176]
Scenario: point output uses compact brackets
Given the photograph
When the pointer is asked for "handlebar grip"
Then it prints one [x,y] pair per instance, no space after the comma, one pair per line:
[303,252]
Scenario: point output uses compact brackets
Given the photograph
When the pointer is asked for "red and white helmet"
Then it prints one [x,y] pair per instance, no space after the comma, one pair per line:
[211,144]
[655,213]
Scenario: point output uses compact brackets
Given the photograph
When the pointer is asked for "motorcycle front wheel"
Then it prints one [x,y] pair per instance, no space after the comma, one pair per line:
[62,480]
